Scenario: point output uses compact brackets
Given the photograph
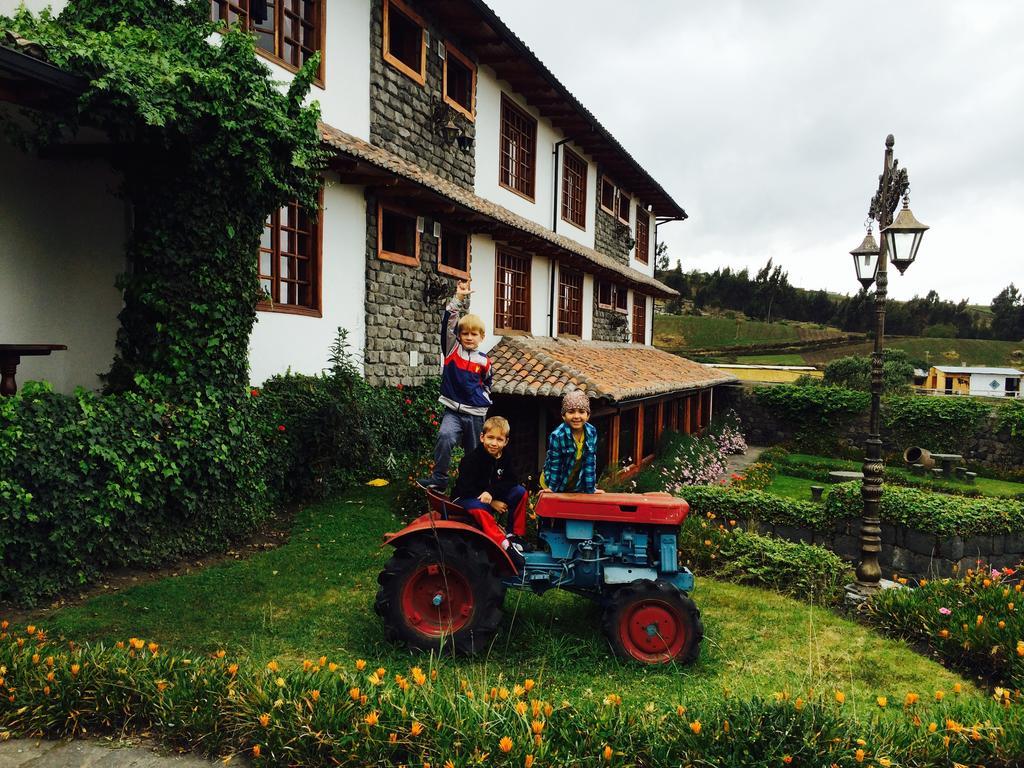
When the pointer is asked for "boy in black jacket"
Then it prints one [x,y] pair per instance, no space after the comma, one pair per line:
[487,483]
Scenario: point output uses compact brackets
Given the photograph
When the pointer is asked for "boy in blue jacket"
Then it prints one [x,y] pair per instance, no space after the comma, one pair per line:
[465,385]
[571,463]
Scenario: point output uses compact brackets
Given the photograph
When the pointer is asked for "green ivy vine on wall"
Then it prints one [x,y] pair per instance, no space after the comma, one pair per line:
[207,147]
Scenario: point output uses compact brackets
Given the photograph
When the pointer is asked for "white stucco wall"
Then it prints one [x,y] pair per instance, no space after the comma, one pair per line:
[281,341]
[487,156]
[981,385]
[63,235]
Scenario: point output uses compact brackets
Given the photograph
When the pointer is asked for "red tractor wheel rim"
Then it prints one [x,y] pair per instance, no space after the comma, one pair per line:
[652,631]
[437,600]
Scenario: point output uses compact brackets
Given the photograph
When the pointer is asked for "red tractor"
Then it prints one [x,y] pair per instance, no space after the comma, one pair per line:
[445,584]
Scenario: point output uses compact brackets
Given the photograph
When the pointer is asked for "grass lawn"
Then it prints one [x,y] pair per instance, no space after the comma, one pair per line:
[790,359]
[694,332]
[987,486]
[797,488]
[314,596]
[935,351]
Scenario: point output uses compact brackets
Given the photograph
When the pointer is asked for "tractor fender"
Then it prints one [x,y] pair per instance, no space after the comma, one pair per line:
[429,525]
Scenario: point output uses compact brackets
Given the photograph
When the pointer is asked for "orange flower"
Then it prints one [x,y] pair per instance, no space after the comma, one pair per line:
[415,729]
[799,703]
[840,697]
[360,665]
[35,658]
[932,727]
[75,669]
[354,693]
[607,753]
[940,695]
[528,761]
[537,726]
[521,707]
[859,755]
[256,750]
[232,669]
[393,738]
[332,667]
[505,745]
[503,693]
[910,700]
[882,701]
[314,695]
[306,665]
[323,661]
[30,629]
[944,633]
[273,666]
[528,685]
[787,759]
[695,726]
[381,672]
[153,648]
[535,708]
[979,621]
[957,687]
[265,719]
[371,719]
[1002,625]
[220,654]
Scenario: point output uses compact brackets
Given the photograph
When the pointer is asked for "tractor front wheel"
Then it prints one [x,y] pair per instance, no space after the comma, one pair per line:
[654,623]
[438,593]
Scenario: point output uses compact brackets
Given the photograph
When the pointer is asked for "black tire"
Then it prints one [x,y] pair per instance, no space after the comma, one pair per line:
[652,622]
[456,571]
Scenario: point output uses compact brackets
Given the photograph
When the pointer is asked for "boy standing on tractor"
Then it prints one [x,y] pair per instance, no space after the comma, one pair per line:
[465,385]
[571,462]
[488,483]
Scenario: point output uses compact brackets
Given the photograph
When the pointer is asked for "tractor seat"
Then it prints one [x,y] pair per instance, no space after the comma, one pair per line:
[448,509]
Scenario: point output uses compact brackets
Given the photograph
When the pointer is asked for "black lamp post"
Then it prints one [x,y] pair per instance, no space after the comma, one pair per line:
[900,240]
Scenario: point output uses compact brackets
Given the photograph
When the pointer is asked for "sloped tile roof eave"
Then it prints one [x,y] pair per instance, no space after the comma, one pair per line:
[388,161]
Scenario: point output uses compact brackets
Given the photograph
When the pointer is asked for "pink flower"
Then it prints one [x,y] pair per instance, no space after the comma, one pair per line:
[280,427]
[408,401]
[945,611]
[995,574]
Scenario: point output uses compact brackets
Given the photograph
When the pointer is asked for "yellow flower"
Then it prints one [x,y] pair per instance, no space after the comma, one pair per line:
[528,761]
[332,667]
[882,701]
[503,693]
[979,621]
[910,700]
[354,693]
[360,665]
[505,745]
[280,682]
[374,679]
[932,727]
[449,764]
[537,726]
[415,729]
[859,755]
[528,685]
[273,666]
[265,719]
[35,658]
[518,690]
[418,677]
[30,629]
[372,718]
[695,726]
[884,762]
[840,697]
[940,695]
[607,753]
[521,707]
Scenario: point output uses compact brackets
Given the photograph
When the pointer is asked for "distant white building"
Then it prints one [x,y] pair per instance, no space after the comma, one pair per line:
[973,380]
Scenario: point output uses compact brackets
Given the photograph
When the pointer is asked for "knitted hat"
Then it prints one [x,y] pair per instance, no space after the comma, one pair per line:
[576,399]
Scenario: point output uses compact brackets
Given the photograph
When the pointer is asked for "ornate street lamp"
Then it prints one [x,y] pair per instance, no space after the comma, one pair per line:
[903,237]
[900,238]
[865,259]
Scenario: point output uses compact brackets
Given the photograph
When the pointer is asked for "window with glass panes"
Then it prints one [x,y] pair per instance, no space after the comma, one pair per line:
[650,436]
[643,244]
[574,189]
[639,318]
[627,437]
[570,302]
[289,260]
[518,161]
[511,291]
[291,31]
[405,43]
[459,82]
[454,258]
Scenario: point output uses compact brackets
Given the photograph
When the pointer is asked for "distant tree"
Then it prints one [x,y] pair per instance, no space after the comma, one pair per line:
[769,284]
[1008,314]
[661,257]
[854,372]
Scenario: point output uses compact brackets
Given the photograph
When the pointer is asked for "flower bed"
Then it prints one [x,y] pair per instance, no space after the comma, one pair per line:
[319,714]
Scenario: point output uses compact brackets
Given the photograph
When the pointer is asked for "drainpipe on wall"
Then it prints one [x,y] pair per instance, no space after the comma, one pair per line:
[554,228]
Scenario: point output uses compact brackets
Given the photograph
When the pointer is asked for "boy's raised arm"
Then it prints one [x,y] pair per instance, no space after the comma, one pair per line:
[457,306]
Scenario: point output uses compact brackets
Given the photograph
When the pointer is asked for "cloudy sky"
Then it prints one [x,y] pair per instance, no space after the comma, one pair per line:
[767,122]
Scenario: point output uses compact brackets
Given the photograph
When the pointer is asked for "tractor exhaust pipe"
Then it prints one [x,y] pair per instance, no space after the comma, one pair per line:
[915,455]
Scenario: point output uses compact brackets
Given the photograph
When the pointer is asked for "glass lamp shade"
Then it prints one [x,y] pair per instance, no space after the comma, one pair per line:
[903,238]
[865,259]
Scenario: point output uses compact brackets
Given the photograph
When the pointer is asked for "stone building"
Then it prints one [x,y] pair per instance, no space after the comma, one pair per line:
[455,153]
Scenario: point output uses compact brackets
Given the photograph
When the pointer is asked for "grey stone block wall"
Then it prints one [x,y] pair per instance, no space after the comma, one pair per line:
[401,110]
[609,325]
[399,318]
[611,236]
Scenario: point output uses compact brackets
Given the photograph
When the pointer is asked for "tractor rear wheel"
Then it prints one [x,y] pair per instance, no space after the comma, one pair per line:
[440,592]
[654,623]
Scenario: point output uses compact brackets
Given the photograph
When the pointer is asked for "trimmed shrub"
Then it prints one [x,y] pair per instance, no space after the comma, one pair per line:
[816,414]
[854,372]
[729,504]
[973,624]
[939,424]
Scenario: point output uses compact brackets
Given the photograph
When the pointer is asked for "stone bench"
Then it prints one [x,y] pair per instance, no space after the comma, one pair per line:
[837,476]
[816,491]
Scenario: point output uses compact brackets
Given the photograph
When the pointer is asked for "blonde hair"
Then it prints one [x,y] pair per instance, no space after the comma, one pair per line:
[497,423]
[471,323]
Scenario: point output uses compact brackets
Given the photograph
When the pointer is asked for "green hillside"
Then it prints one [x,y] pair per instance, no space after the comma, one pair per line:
[676,332]
[934,351]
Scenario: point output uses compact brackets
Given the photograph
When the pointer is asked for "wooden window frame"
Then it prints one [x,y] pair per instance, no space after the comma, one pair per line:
[568,189]
[639,313]
[527,261]
[396,258]
[508,105]
[419,77]
[449,51]
[647,457]
[448,270]
[611,291]
[643,216]
[619,197]
[624,292]
[600,195]
[316,271]
[570,325]
[637,460]
[321,31]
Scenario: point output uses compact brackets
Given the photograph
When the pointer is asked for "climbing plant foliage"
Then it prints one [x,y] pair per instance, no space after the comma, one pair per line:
[207,145]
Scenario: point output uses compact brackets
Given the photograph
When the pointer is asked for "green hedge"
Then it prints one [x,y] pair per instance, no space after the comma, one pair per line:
[940,424]
[90,483]
[816,414]
[937,513]
[93,482]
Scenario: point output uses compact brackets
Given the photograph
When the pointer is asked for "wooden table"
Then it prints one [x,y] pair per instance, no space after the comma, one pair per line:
[949,462]
[10,357]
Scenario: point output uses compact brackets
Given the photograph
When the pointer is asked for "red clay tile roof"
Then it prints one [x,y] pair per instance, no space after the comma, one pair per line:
[524,365]
[382,158]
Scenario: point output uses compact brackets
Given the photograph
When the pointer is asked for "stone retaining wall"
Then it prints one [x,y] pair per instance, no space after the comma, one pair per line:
[908,551]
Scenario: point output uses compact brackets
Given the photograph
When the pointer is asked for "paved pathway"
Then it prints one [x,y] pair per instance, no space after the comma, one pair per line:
[87,753]
[738,462]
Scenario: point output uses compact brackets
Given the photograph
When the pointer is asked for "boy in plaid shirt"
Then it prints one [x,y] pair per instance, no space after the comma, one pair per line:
[571,462]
